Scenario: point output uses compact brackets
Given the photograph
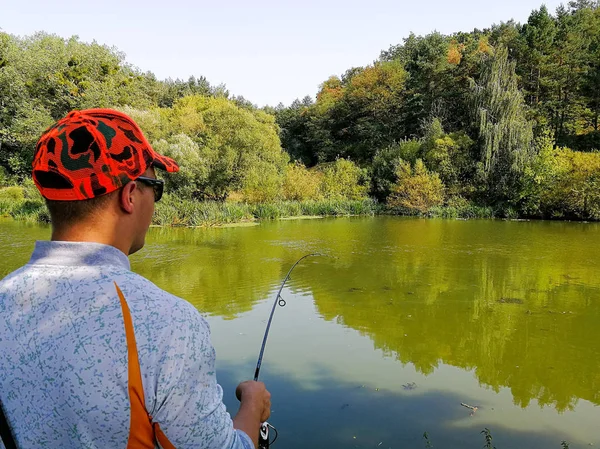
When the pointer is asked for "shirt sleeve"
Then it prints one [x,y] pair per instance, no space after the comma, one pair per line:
[189,403]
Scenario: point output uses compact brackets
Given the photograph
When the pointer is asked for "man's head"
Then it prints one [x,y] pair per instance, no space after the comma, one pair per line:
[95,169]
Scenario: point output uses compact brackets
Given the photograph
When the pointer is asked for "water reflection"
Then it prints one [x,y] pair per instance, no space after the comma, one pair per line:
[335,414]
[516,302]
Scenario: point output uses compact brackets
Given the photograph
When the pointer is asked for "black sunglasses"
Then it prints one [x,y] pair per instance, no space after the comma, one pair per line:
[158,185]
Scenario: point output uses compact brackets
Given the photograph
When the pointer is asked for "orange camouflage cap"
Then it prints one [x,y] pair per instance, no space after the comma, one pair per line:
[91,153]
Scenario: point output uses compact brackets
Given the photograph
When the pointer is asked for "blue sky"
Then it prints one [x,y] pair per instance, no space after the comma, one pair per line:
[268,51]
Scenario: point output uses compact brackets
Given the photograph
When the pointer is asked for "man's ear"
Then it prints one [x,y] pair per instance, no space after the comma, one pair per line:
[126,200]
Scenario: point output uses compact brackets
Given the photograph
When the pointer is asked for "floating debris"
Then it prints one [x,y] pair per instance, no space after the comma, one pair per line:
[471,407]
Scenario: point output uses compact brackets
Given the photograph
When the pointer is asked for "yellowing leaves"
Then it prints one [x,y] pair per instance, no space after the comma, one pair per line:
[455,52]
[379,82]
[484,46]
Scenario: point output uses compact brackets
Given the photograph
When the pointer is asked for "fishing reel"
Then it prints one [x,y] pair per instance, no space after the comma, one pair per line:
[263,436]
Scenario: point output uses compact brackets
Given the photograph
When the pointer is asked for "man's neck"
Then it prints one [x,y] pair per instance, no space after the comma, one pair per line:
[86,234]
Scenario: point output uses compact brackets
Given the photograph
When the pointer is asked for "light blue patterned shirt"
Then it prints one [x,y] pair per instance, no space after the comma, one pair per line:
[63,355]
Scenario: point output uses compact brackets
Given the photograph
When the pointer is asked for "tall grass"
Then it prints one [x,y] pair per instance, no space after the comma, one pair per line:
[172,211]
[32,211]
[175,212]
[467,211]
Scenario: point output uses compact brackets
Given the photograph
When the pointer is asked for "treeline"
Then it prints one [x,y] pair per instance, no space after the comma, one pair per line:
[227,148]
[472,124]
[480,118]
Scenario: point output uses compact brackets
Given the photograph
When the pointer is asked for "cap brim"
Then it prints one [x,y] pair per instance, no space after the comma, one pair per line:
[165,163]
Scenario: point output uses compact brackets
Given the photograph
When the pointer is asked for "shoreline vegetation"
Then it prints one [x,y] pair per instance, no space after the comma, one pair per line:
[25,204]
[502,122]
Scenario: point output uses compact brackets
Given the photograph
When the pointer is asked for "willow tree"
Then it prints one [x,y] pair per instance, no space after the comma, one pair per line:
[505,133]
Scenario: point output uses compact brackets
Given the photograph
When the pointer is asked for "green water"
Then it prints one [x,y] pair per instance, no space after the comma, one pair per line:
[404,319]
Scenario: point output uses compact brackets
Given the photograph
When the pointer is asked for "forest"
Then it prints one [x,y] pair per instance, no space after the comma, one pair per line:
[498,122]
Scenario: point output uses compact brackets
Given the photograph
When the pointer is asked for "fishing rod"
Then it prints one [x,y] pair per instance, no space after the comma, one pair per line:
[263,438]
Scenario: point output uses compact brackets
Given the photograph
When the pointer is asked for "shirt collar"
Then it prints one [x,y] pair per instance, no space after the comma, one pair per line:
[77,254]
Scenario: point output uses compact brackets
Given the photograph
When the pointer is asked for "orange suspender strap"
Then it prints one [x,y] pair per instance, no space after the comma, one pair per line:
[142,432]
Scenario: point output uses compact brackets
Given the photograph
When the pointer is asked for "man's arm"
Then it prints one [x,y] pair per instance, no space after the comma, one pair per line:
[189,406]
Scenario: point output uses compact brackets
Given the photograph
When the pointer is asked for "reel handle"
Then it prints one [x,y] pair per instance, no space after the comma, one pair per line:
[263,436]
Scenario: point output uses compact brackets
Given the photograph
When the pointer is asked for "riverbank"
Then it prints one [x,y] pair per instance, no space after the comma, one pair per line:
[24,205]
[173,212]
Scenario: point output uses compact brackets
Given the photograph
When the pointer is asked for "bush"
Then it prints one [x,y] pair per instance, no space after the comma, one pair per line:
[262,183]
[14,193]
[561,183]
[194,165]
[417,190]
[301,184]
[30,190]
[458,207]
[344,180]
[5,179]
[448,156]
[385,166]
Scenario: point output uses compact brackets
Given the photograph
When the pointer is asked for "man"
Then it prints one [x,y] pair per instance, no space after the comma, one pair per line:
[91,354]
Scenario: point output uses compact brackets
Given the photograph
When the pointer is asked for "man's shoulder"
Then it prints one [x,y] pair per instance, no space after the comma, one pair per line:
[18,279]
[143,295]
[11,277]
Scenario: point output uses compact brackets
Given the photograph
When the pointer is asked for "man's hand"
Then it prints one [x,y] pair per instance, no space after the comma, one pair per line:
[256,394]
[255,408]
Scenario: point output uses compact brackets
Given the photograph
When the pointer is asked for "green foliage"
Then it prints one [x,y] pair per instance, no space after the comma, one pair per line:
[488,439]
[356,115]
[14,193]
[459,207]
[4,177]
[532,78]
[172,211]
[220,147]
[448,155]
[301,184]
[32,211]
[43,77]
[344,180]
[193,165]
[505,134]
[561,183]
[385,166]
[417,189]
[417,101]
[241,147]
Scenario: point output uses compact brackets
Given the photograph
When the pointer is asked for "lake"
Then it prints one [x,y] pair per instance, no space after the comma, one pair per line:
[398,323]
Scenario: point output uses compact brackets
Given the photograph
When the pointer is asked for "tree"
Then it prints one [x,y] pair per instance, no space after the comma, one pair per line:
[343,179]
[243,147]
[539,34]
[417,189]
[449,155]
[384,172]
[505,134]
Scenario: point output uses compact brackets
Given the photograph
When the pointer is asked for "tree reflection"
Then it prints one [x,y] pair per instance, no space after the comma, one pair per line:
[518,303]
